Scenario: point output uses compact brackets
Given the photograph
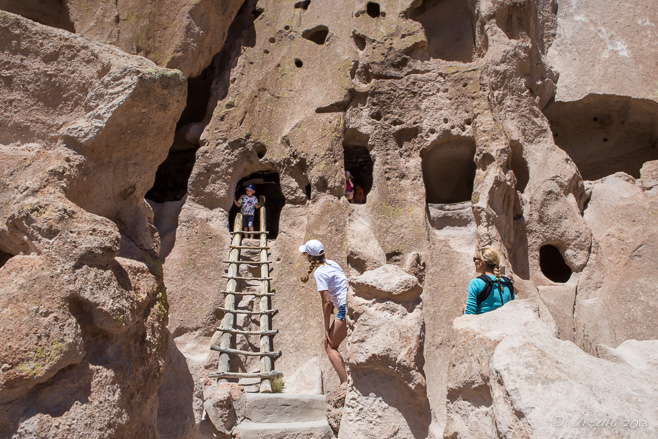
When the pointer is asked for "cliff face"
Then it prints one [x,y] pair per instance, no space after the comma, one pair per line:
[530,126]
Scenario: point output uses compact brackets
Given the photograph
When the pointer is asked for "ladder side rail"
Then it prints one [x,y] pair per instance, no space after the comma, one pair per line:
[265,318]
[228,321]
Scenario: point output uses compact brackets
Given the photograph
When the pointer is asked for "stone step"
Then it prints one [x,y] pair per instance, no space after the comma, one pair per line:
[285,407]
[283,430]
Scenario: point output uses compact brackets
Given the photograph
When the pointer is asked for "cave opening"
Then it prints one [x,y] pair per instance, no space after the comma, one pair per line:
[266,183]
[373,9]
[358,162]
[605,134]
[552,264]
[449,28]
[4,257]
[54,13]
[519,166]
[204,92]
[304,4]
[449,171]
[318,34]
[174,172]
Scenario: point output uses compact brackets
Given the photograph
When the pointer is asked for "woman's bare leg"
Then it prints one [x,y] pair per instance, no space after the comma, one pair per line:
[337,334]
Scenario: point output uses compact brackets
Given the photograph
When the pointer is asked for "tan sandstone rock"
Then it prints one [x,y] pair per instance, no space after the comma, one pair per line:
[85,305]
[605,49]
[510,377]
[384,357]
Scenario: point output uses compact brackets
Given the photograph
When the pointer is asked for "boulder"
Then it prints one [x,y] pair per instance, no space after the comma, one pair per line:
[384,357]
[615,297]
[387,282]
[509,375]
[184,35]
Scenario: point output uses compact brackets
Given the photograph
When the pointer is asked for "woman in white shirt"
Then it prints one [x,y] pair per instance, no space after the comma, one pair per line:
[332,286]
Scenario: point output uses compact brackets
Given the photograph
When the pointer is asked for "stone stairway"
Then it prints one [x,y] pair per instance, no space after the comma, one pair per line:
[283,416]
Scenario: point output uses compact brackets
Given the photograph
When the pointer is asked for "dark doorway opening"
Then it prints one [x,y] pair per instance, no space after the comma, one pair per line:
[4,257]
[449,28]
[519,166]
[449,171]
[359,163]
[552,264]
[266,183]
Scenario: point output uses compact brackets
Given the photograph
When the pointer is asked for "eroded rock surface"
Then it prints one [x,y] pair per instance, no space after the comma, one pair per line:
[467,124]
[510,377]
[384,356]
[83,301]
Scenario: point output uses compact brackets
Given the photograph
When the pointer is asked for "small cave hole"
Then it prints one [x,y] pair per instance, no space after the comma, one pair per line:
[308,191]
[359,163]
[261,150]
[266,183]
[298,63]
[257,12]
[359,41]
[318,34]
[304,4]
[519,166]
[449,28]
[4,257]
[449,171]
[376,115]
[552,264]
[286,27]
[373,9]
[394,257]
[272,40]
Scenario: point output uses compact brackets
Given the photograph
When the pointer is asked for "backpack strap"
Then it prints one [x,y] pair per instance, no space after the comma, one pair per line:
[488,287]
[485,291]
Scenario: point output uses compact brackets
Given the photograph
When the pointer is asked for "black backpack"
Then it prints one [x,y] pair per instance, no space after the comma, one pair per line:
[488,287]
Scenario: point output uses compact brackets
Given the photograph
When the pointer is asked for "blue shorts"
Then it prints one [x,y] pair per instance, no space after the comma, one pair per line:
[341,313]
[247,221]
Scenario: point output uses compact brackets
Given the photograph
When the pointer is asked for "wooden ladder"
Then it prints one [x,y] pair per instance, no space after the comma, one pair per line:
[265,312]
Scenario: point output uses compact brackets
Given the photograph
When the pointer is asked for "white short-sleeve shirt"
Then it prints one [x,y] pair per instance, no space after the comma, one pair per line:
[330,277]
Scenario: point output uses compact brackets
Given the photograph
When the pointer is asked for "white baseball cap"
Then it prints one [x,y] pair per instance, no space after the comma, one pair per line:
[312,247]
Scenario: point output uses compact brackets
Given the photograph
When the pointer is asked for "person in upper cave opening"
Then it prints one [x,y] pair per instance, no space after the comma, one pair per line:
[349,186]
[490,290]
[332,285]
[248,204]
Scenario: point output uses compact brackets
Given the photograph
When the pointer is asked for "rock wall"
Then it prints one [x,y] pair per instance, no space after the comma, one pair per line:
[84,306]
[527,125]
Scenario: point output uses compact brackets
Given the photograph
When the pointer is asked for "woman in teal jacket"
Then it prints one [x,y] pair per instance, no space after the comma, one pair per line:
[487,263]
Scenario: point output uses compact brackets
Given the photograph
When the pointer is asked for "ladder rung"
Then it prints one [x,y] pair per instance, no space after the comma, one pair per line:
[250,233]
[239,311]
[239,331]
[248,262]
[250,247]
[273,374]
[248,353]
[226,276]
[246,293]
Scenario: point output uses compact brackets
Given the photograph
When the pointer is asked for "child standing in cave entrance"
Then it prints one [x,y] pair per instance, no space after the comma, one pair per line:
[248,204]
